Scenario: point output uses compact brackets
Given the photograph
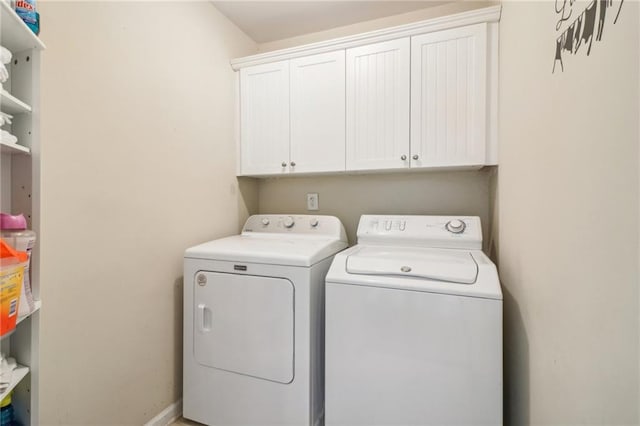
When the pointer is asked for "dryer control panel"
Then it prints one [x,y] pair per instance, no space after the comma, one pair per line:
[326,226]
[461,232]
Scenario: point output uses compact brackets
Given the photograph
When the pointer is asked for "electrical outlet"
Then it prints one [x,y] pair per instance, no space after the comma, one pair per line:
[313,202]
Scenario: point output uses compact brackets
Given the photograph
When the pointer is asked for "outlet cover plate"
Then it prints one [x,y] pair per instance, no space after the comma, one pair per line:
[313,201]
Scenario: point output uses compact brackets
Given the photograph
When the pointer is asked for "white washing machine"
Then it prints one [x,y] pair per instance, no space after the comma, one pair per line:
[414,326]
[254,319]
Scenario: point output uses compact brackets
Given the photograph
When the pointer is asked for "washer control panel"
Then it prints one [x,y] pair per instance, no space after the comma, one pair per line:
[424,231]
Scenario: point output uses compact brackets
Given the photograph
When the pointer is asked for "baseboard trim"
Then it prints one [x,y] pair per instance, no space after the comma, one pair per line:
[168,415]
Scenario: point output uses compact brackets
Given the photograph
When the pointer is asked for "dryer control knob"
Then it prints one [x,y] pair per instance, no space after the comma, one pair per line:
[288,222]
[265,221]
[313,222]
[456,226]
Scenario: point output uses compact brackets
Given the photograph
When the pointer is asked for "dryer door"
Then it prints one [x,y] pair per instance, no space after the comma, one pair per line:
[244,324]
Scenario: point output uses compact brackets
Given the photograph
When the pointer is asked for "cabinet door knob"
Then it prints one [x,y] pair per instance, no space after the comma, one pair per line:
[293,164]
[403,158]
[284,164]
[415,156]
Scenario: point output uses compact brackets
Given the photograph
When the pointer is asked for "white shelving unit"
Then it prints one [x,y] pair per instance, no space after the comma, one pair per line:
[12,148]
[14,33]
[38,304]
[18,374]
[20,193]
[12,105]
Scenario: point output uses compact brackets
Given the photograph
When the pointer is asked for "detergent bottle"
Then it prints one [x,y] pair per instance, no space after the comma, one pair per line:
[26,10]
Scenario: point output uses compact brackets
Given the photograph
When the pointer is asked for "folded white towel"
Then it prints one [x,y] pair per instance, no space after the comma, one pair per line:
[7,365]
[5,118]
[5,55]
[4,74]
[6,137]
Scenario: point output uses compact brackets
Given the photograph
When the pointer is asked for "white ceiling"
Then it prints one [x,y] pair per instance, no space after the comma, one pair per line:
[266,21]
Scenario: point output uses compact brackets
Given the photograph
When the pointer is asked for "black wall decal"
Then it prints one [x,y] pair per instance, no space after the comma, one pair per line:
[582,28]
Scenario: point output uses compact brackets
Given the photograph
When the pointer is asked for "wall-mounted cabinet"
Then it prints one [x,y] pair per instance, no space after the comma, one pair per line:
[20,193]
[264,118]
[448,98]
[378,105]
[413,97]
[292,116]
[317,113]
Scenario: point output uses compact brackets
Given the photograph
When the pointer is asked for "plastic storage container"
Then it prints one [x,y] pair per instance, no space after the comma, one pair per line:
[13,230]
[12,264]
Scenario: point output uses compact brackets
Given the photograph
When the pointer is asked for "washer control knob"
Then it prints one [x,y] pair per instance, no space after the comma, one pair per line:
[456,226]
[288,222]
[265,221]
[313,222]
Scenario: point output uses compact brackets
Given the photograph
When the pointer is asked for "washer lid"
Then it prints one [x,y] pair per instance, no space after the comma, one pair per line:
[435,264]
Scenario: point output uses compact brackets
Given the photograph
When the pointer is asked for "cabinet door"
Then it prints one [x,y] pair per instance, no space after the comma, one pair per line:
[264,119]
[448,97]
[317,113]
[378,106]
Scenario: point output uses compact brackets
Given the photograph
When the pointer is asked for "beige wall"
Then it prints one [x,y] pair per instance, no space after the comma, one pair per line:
[138,123]
[138,163]
[568,214]
[376,24]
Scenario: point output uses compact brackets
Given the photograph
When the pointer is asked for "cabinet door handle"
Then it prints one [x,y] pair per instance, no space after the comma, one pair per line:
[284,164]
[293,164]
[403,158]
[415,156]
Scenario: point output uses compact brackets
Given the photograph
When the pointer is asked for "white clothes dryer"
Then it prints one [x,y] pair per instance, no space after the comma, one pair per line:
[254,320]
[414,326]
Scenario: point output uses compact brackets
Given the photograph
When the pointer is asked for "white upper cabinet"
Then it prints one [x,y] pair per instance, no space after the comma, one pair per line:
[318,113]
[378,106]
[448,98]
[264,118]
[418,96]
[292,116]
